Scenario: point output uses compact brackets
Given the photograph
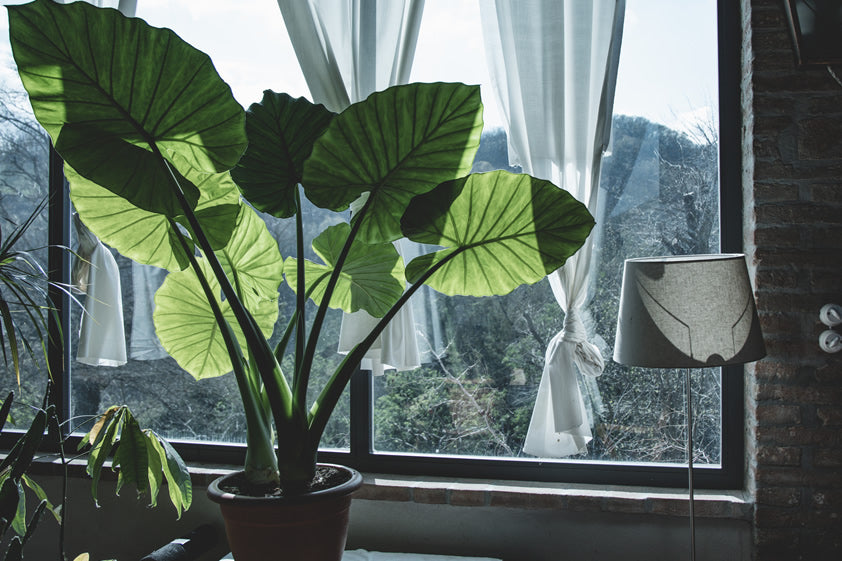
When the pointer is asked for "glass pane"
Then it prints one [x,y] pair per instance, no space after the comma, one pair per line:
[24,161]
[248,44]
[659,195]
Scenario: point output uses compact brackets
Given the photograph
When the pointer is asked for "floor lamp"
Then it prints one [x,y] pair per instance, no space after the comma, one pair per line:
[692,311]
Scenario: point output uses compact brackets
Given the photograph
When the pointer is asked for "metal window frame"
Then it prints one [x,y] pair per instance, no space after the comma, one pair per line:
[730,473]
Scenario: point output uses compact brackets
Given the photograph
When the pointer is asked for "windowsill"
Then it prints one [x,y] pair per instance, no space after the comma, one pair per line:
[463,492]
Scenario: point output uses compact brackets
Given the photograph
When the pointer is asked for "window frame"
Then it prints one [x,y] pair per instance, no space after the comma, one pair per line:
[728,475]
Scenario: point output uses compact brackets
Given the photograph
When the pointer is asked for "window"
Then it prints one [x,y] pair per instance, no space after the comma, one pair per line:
[465,412]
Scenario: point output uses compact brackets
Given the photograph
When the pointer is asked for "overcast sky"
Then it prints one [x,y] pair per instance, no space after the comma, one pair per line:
[667,72]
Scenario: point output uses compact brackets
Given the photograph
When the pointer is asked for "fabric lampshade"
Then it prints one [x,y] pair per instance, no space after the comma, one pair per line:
[689,311]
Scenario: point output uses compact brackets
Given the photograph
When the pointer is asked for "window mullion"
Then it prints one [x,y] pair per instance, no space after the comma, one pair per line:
[59,276]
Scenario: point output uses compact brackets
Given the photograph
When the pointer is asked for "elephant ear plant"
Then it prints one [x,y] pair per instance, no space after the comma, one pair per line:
[149,132]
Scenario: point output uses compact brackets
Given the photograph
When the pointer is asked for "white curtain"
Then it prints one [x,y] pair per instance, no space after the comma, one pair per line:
[347,50]
[102,338]
[553,68]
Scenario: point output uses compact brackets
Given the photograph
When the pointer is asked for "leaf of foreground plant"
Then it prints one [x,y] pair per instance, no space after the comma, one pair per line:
[281,131]
[184,319]
[396,144]
[167,461]
[147,87]
[499,231]
[131,456]
[371,279]
[147,237]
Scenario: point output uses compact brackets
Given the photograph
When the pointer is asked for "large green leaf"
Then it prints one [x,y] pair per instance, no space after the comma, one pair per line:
[108,89]
[252,259]
[184,319]
[147,237]
[395,145]
[371,279]
[281,131]
[499,230]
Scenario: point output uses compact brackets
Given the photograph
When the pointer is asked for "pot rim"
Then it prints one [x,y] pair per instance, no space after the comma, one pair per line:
[217,495]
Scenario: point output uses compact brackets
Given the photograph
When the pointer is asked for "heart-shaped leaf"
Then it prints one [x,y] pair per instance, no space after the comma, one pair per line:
[499,230]
[184,320]
[281,131]
[251,258]
[371,279]
[395,145]
[99,80]
[147,237]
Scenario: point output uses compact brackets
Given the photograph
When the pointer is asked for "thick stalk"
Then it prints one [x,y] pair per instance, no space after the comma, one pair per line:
[280,348]
[259,349]
[327,400]
[260,465]
[299,387]
[276,387]
[315,330]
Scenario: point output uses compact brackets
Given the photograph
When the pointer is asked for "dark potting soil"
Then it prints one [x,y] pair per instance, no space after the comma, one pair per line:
[326,478]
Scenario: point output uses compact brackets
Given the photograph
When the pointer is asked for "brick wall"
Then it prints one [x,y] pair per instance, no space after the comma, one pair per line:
[793,170]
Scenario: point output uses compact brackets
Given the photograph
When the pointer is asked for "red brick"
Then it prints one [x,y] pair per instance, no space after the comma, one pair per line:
[383,493]
[774,104]
[778,323]
[527,500]
[830,415]
[828,498]
[775,192]
[827,457]
[779,496]
[779,236]
[778,517]
[830,194]
[429,496]
[761,19]
[779,456]
[462,497]
[773,370]
[797,436]
[780,476]
[776,414]
[800,394]
[819,138]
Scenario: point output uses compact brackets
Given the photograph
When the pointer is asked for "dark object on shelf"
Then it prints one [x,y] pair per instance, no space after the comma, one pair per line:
[816,28]
[188,548]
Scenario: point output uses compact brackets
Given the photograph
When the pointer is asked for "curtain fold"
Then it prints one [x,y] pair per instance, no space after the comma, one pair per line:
[348,49]
[102,338]
[553,66]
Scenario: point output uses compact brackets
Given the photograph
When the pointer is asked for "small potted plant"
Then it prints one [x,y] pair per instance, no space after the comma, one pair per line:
[149,132]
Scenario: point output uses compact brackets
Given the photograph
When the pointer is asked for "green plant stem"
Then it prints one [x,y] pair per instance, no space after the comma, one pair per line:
[316,328]
[280,348]
[280,396]
[325,403]
[261,463]
[299,387]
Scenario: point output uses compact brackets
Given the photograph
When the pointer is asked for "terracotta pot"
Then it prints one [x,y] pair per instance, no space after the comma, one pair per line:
[311,526]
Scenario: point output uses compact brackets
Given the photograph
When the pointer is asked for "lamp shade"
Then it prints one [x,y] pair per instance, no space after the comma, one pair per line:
[688,311]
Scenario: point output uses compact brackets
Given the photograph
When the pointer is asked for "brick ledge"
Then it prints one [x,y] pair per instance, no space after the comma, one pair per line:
[461,492]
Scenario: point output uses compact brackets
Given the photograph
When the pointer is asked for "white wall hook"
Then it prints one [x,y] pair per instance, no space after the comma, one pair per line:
[830,341]
[831,315]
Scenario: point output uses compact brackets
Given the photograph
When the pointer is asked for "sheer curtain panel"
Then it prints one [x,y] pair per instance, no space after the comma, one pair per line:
[553,66]
[347,50]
